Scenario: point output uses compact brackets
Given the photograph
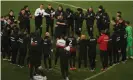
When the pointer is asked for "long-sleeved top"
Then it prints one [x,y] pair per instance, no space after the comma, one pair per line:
[103,42]
[51,12]
[40,12]
[90,17]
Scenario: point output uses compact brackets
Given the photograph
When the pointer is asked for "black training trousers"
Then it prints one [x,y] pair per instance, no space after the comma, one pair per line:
[47,56]
[104,58]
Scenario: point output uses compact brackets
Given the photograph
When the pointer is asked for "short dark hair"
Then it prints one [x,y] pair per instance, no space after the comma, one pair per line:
[127,22]
[119,12]
[25,6]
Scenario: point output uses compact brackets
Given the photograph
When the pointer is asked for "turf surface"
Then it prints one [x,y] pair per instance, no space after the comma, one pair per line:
[119,72]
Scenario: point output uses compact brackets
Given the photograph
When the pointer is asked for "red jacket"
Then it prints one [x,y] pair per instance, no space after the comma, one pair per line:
[103,42]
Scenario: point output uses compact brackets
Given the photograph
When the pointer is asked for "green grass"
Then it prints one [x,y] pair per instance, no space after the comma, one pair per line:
[119,72]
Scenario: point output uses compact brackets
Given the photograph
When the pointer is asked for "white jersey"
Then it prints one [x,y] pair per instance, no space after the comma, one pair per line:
[40,11]
[39,77]
[61,42]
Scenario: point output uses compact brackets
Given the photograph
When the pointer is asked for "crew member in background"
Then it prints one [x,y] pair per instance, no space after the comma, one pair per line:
[47,47]
[28,16]
[50,19]
[92,52]
[90,17]
[39,14]
[103,44]
[129,31]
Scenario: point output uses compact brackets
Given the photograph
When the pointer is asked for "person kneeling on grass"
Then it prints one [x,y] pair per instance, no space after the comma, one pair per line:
[103,43]
[39,74]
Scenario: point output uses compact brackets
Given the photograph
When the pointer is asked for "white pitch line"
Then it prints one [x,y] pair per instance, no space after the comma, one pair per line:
[84,10]
[67,5]
[99,73]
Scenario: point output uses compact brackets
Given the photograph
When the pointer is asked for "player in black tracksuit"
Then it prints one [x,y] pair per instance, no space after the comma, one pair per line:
[35,52]
[110,51]
[61,27]
[60,12]
[99,17]
[28,16]
[106,21]
[116,43]
[47,47]
[92,52]
[72,43]
[22,20]
[83,44]
[64,56]
[11,16]
[5,41]
[23,44]
[14,44]
[90,17]
[123,39]
[78,21]
[70,21]
[50,19]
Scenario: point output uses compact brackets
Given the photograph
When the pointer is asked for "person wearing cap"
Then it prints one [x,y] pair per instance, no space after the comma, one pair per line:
[83,44]
[90,17]
[70,21]
[47,47]
[64,56]
[28,16]
[35,52]
[92,52]
[129,31]
[39,14]
[22,20]
[78,18]
[99,17]
[103,45]
[50,19]
[22,41]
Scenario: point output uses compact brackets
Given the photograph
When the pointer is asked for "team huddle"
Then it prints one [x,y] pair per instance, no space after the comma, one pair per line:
[18,43]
